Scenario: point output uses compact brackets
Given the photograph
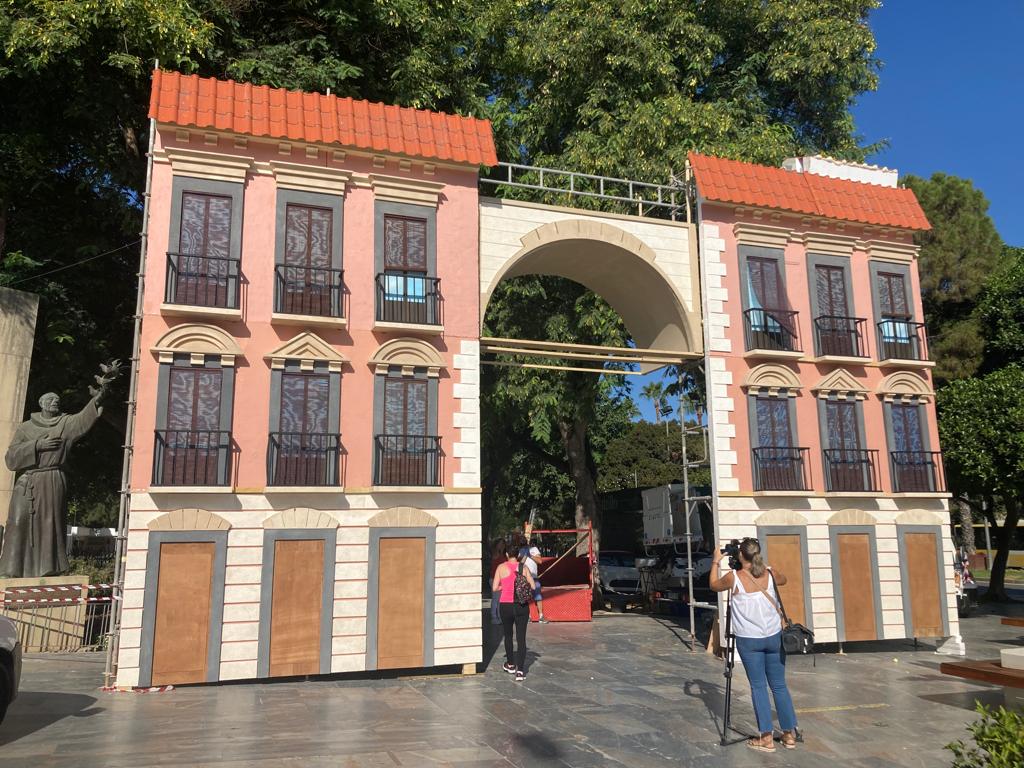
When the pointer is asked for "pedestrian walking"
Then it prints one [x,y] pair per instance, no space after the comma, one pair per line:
[757,626]
[515,583]
[532,557]
[498,552]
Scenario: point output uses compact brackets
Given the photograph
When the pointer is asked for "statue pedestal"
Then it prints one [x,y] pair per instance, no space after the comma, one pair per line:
[49,626]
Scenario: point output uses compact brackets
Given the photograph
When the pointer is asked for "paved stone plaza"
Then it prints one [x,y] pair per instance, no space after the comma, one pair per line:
[621,691]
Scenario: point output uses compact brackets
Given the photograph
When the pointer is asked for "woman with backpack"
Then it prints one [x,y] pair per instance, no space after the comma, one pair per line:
[514,583]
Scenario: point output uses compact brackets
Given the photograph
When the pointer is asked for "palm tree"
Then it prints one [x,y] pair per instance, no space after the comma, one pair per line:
[654,392]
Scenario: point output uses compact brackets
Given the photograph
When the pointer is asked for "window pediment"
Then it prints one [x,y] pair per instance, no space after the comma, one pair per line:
[307,348]
[408,353]
[198,340]
[839,382]
[904,384]
[772,379]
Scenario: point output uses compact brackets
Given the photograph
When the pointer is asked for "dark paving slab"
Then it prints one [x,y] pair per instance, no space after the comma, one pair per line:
[623,690]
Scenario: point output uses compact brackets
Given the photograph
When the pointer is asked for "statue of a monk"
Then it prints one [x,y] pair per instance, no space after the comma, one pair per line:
[34,539]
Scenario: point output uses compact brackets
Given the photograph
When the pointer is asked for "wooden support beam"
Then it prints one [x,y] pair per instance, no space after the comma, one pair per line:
[599,371]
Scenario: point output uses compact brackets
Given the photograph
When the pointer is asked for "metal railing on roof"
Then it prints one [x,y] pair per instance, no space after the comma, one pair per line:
[667,201]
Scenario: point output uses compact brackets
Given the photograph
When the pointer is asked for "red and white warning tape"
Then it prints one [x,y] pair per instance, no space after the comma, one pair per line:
[5,599]
[38,600]
[153,689]
[55,588]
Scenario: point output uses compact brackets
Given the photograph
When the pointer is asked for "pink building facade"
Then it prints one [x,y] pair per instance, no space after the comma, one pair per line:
[307,432]
[820,393]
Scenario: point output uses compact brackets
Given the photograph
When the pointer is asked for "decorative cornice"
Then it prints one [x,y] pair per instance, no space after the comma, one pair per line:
[749,233]
[839,382]
[409,354]
[904,384]
[826,242]
[773,380]
[399,189]
[198,341]
[885,250]
[310,178]
[307,348]
[204,165]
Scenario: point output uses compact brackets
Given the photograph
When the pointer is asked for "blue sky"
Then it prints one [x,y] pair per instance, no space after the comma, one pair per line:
[950,98]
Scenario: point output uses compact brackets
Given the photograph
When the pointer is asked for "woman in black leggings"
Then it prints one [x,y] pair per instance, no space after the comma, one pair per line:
[513,614]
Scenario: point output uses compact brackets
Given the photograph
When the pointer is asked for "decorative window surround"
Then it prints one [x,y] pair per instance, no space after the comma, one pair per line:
[310,178]
[748,233]
[903,385]
[407,354]
[398,189]
[189,520]
[888,251]
[839,382]
[824,242]
[200,341]
[204,165]
[308,349]
[773,380]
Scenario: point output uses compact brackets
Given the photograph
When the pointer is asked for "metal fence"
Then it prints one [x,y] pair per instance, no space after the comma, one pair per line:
[62,618]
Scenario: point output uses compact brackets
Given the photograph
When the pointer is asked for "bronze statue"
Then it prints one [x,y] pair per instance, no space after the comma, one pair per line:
[34,540]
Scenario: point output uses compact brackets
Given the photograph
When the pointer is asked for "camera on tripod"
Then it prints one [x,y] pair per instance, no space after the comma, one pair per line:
[732,550]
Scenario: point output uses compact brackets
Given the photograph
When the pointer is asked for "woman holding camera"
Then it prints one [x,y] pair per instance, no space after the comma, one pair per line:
[757,625]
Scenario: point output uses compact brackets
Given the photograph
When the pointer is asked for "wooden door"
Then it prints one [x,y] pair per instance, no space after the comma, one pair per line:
[857,585]
[786,553]
[296,607]
[922,565]
[184,595]
[400,602]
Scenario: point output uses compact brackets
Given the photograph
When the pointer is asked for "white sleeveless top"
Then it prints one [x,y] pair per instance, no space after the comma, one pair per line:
[753,614]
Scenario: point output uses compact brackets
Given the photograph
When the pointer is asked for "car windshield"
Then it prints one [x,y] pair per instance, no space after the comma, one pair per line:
[627,561]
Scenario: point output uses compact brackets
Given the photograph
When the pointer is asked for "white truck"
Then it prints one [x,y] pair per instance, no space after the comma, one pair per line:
[666,536]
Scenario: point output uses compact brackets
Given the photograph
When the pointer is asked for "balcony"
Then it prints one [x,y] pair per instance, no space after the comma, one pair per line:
[839,338]
[917,472]
[851,470]
[771,333]
[202,285]
[191,457]
[308,295]
[902,343]
[780,468]
[304,459]
[407,460]
[408,301]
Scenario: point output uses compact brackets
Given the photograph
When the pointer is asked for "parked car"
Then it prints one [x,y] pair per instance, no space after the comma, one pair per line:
[10,664]
[618,572]
[701,567]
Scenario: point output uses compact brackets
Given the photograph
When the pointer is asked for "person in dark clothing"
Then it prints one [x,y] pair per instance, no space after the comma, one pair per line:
[514,615]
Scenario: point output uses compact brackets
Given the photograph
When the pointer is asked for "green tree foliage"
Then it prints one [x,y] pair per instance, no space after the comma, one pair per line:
[647,455]
[957,255]
[1001,310]
[627,88]
[983,444]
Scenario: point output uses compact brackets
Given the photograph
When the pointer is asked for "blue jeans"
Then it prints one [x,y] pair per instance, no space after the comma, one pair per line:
[765,665]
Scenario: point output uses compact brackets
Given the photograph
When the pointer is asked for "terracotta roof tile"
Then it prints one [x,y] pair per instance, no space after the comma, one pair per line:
[730,181]
[258,110]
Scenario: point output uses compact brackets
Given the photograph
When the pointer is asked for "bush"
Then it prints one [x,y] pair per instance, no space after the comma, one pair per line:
[99,570]
[998,740]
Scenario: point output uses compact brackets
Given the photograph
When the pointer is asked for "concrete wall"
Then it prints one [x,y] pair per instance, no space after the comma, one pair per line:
[17,332]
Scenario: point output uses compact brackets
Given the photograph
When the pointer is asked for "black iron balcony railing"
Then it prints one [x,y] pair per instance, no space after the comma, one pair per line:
[202,281]
[771,329]
[840,336]
[917,472]
[303,458]
[902,340]
[315,291]
[408,297]
[780,468]
[191,457]
[851,469]
[407,460]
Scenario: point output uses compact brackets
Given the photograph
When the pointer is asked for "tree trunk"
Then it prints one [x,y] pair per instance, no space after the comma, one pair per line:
[1003,535]
[966,527]
[581,470]
[3,224]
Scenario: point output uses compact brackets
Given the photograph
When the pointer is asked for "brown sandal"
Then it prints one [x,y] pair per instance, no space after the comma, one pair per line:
[789,739]
[762,743]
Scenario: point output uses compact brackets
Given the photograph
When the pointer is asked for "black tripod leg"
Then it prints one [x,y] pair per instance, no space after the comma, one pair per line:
[730,663]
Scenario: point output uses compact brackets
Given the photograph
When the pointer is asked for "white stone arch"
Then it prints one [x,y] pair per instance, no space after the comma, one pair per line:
[904,384]
[918,517]
[780,517]
[190,519]
[618,266]
[197,339]
[301,517]
[403,517]
[408,353]
[771,379]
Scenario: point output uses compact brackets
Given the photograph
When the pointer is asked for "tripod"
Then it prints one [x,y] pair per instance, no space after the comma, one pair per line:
[730,662]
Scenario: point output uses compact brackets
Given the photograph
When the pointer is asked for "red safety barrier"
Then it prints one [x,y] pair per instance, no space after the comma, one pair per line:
[567,585]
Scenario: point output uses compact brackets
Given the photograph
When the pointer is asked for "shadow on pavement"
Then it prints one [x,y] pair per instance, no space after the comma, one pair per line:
[992,697]
[537,745]
[34,710]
